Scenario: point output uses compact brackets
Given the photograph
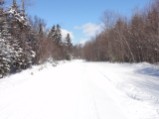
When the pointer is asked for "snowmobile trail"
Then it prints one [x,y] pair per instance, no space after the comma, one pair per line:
[72,90]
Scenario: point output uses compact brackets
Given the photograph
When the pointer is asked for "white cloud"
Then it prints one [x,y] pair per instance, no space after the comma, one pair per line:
[90,29]
[65,32]
[83,41]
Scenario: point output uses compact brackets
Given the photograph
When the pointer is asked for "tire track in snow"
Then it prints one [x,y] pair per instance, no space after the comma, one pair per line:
[90,93]
[137,95]
[98,94]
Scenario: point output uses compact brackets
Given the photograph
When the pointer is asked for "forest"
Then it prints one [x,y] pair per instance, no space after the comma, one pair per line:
[25,41]
[134,39]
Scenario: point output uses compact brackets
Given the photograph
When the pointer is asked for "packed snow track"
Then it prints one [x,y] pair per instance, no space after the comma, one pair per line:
[82,90]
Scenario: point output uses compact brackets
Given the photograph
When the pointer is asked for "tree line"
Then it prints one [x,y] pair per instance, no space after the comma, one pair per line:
[126,40]
[25,41]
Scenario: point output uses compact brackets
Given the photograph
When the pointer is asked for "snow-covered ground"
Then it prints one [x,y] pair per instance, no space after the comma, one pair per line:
[82,90]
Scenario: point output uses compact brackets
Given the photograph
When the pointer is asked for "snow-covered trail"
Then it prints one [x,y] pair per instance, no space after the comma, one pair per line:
[79,90]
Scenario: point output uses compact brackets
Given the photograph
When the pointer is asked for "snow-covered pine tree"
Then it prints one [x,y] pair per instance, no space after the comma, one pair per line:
[4,63]
[15,50]
[9,50]
[21,31]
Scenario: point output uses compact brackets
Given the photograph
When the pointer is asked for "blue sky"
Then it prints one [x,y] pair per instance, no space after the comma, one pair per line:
[81,16]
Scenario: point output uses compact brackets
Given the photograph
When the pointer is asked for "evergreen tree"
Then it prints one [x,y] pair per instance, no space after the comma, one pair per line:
[4,62]
[68,41]
[22,33]
[52,33]
[1,14]
[58,34]
[55,35]
[68,47]
[15,49]
[41,31]
[9,49]
[58,46]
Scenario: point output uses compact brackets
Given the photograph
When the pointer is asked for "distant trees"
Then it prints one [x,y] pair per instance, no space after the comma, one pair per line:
[55,34]
[68,43]
[68,47]
[123,40]
[55,38]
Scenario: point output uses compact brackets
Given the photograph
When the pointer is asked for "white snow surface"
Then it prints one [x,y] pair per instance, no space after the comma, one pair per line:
[82,90]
